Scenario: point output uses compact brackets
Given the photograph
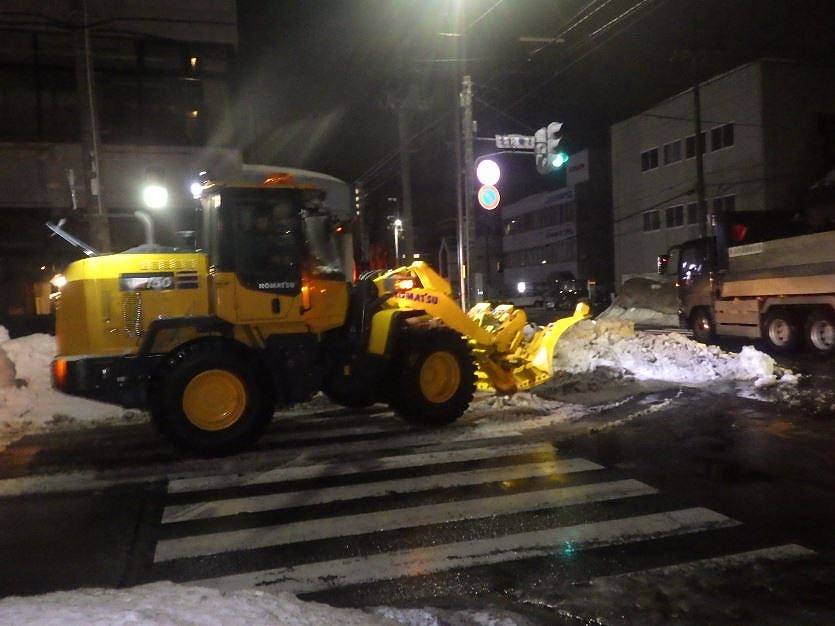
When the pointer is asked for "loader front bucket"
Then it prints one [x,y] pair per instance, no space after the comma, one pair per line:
[519,362]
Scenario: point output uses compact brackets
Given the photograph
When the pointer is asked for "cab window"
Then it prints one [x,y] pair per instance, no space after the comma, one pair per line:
[320,236]
[268,247]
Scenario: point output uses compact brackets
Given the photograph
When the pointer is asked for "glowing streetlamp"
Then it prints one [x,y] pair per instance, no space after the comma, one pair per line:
[155,196]
[398,228]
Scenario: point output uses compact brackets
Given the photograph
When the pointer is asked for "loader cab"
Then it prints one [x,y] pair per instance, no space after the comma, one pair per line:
[273,254]
[257,235]
[269,238]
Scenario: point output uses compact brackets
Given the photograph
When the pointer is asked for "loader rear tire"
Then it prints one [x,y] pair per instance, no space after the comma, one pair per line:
[209,399]
[435,377]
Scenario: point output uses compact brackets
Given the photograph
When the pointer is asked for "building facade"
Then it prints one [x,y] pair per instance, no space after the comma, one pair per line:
[561,233]
[767,133]
[155,77]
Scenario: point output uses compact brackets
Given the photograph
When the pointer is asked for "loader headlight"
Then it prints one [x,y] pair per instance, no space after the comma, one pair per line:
[58,281]
[401,283]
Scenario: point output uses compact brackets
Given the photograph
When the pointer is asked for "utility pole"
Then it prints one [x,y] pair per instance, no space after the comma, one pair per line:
[461,226]
[700,169]
[469,217]
[403,115]
[99,229]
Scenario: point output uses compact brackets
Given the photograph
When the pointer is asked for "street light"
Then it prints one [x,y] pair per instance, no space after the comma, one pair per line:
[398,227]
[155,196]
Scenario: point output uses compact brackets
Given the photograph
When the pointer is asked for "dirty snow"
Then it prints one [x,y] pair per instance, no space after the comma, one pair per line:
[669,356]
[185,605]
[28,404]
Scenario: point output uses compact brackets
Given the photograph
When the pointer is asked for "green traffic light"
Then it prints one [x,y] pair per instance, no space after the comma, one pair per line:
[559,159]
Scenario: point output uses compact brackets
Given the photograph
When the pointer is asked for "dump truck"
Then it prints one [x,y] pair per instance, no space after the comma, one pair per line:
[737,284]
[266,312]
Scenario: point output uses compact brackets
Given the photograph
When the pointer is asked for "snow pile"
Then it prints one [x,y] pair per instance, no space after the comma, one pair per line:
[646,300]
[27,400]
[186,605]
[166,603]
[615,345]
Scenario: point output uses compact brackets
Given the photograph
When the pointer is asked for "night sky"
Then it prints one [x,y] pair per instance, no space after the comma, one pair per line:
[320,80]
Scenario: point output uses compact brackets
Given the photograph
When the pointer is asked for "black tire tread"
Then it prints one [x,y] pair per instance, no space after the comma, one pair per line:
[407,399]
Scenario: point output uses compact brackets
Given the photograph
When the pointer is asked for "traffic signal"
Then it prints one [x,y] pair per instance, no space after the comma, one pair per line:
[541,151]
[556,158]
[546,148]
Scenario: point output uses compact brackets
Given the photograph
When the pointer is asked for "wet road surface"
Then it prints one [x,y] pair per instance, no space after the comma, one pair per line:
[645,501]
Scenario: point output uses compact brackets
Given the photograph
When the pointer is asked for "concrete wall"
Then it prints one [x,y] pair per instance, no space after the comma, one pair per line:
[211,21]
[778,151]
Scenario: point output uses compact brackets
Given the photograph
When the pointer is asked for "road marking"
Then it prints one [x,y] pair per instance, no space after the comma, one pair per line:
[558,542]
[268,502]
[786,552]
[323,470]
[394,519]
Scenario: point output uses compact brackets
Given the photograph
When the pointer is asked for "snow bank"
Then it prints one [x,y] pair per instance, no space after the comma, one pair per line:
[27,400]
[671,356]
[165,603]
[649,299]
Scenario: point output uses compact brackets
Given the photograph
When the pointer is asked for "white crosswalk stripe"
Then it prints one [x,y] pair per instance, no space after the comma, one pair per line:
[343,572]
[413,490]
[234,506]
[320,470]
[393,519]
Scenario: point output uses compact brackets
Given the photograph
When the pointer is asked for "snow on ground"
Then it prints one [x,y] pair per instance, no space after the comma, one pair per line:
[185,605]
[28,404]
[616,345]
[648,299]
[27,401]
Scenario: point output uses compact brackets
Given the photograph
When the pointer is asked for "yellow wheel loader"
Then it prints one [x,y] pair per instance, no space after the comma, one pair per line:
[265,314]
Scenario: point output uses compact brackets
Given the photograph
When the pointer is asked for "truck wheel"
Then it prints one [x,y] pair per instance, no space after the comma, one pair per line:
[701,323]
[208,399]
[781,331]
[820,332]
[435,378]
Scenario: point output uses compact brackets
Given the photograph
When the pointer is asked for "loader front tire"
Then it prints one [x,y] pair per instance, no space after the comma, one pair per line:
[434,377]
[209,399]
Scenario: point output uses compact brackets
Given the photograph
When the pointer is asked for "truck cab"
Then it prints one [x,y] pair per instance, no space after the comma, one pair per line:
[693,264]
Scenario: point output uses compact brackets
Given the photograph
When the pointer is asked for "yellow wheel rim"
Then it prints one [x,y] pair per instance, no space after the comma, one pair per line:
[440,377]
[214,400]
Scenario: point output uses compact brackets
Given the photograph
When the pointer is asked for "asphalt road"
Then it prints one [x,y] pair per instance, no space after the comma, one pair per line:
[624,503]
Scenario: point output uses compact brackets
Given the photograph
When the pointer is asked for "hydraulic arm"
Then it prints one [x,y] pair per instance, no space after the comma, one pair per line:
[510,355]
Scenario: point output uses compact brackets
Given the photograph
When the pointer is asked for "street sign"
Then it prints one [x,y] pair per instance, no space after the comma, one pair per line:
[488,197]
[515,142]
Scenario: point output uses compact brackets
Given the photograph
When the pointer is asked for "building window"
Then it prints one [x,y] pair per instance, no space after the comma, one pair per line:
[724,204]
[690,145]
[672,152]
[674,216]
[693,213]
[649,159]
[652,220]
[722,137]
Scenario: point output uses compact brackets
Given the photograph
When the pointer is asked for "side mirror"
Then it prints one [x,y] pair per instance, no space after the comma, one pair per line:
[663,261]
